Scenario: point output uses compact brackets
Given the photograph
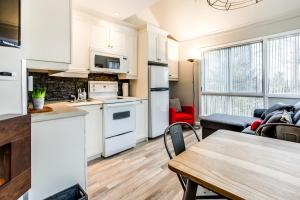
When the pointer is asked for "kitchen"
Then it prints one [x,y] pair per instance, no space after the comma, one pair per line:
[104,79]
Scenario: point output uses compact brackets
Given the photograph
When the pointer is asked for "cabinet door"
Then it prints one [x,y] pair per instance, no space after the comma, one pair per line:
[132,50]
[152,46]
[47,30]
[117,38]
[173,58]
[80,44]
[93,126]
[58,157]
[162,55]
[100,37]
[142,120]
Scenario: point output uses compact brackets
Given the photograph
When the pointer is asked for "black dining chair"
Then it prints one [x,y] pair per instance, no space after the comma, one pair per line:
[176,134]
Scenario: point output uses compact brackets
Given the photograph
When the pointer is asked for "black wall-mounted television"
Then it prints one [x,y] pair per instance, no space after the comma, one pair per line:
[10,23]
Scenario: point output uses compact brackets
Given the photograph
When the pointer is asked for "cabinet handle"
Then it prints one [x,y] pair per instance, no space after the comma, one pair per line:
[158,59]
[170,75]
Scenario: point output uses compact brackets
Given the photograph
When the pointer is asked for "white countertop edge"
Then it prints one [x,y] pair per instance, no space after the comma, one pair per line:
[60,111]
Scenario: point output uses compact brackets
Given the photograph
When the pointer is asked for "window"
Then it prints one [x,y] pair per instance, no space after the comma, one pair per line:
[232,80]
[283,68]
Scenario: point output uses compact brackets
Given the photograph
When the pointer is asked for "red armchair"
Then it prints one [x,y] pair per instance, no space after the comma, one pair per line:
[187,115]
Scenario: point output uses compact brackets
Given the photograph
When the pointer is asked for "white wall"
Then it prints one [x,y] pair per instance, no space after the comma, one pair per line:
[191,49]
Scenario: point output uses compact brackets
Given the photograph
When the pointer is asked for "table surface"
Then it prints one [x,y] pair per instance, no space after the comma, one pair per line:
[241,166]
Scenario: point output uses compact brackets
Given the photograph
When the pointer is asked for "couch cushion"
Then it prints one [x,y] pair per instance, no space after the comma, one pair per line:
[227,122]
[296,116]
[297,107]
[249,131]
[275,107]
[175,103]
[269,131]
[183,116]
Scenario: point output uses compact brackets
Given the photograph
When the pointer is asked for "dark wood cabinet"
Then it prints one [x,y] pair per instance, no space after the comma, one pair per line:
[15,156]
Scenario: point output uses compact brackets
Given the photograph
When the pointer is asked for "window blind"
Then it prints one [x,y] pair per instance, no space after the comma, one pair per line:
[283,68]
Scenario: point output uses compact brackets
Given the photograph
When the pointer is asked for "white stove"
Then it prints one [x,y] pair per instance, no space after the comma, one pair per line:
[119,118]
[107,92]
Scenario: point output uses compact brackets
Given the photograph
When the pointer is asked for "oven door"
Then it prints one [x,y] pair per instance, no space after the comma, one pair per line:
[118,119]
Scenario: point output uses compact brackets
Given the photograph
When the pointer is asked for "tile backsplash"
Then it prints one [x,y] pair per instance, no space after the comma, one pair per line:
[61,88]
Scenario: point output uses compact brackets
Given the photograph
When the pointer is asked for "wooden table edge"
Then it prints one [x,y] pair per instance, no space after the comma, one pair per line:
[203,183]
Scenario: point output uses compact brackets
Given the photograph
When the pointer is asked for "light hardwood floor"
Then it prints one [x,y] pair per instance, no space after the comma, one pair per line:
[137,174]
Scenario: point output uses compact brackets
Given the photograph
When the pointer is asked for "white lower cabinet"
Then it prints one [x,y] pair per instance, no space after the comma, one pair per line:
[93,127]
[142,120]
[58,158]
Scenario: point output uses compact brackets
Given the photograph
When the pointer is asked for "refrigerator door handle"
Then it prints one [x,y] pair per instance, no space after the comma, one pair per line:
[159,89]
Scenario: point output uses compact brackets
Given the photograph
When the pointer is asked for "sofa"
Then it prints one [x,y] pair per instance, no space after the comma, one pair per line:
[271,121]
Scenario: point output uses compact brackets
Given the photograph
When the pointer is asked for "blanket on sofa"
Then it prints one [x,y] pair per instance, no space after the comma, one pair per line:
[279,113]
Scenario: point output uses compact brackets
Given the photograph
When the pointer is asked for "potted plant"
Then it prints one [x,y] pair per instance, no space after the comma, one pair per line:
[38,98]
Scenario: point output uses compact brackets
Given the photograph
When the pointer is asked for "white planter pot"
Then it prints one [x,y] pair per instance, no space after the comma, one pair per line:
[38,104]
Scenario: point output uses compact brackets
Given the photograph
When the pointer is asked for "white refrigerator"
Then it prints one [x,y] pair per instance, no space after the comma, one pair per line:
[159,100]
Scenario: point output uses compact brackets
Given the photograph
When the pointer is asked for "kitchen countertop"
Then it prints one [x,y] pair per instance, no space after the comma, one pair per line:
[60,111]
[66,109]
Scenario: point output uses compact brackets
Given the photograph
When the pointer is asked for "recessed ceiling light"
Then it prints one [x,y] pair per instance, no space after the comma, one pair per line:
[116,14]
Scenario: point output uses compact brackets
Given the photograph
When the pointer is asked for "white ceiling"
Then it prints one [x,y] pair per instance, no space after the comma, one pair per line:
[120,9]
[187,19]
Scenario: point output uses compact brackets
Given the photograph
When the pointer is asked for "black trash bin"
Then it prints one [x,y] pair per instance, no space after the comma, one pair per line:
[73,193]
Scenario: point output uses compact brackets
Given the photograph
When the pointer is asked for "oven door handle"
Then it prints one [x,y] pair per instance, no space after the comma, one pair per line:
[113,105]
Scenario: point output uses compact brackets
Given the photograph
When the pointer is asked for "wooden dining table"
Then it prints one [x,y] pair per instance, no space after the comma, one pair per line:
[241,166]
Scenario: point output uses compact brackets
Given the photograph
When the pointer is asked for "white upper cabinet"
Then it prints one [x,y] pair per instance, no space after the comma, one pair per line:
[46,30]
[109,38]
[152,46]
[100,36]
[131,49]
[162,49]
[80,44]
[157,47]
[173,59]
[117,40]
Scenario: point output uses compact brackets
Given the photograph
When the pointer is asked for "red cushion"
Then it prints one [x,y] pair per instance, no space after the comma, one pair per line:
[255,124]
[182,116]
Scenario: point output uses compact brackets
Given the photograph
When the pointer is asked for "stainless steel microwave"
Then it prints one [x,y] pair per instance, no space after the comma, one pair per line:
[108,63]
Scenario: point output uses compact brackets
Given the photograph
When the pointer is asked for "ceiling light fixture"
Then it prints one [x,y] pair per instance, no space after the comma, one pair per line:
[231,4]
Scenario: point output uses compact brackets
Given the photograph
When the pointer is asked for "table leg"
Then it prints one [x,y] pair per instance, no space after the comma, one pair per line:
[191,190]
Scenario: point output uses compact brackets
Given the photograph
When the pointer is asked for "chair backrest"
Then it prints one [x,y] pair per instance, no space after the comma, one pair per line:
[288,133]
[177,138]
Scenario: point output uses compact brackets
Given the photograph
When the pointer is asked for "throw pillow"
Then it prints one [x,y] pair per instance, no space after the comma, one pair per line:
[286,117]
[297,107]
[269,131]
[175,103]
[296,117]
[277,106]
[255,124]
[270,115]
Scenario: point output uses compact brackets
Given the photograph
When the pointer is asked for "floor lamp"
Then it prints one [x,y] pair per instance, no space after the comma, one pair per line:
[194,61]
